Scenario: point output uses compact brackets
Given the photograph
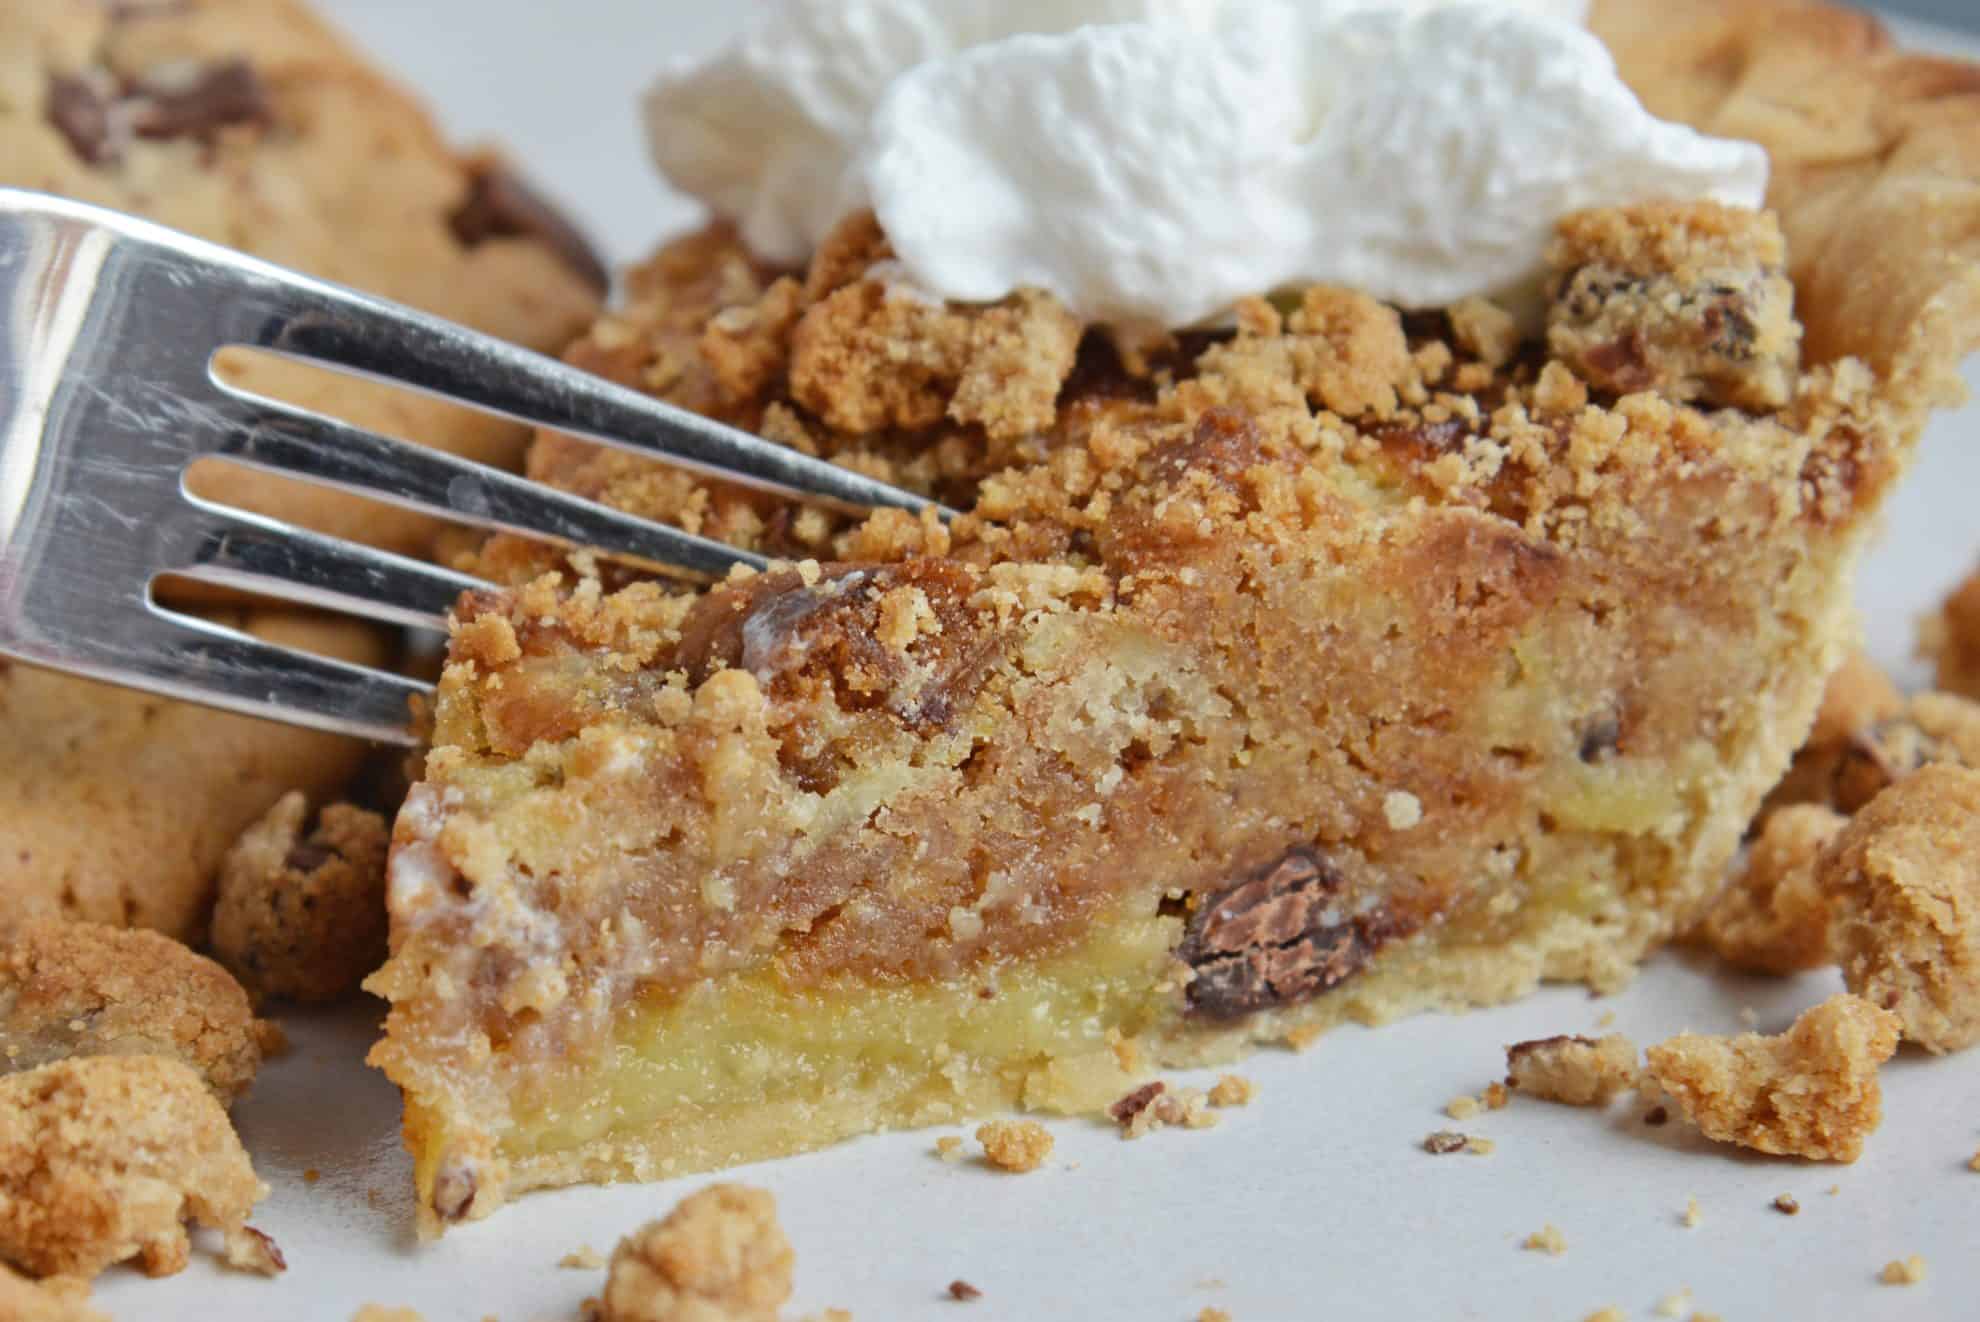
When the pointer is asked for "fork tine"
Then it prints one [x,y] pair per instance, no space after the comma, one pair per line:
[282,438]
[247,551]
[353,332]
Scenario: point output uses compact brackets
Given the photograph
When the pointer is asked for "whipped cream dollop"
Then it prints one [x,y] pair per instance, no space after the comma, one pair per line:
[1152,161]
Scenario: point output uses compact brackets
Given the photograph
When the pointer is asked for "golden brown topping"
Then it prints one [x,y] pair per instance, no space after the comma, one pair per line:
[107,1158]
[304,916]
[1774,917]
[79,989]
[1810,1092]
[1689,300]
[1580,1071]
[719,1256]
[1905,874]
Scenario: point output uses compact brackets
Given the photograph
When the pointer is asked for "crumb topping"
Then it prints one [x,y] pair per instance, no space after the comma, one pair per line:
[1810,1092]
[1775,915]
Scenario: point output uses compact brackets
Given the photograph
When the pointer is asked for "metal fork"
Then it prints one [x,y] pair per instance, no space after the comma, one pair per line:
[108,330]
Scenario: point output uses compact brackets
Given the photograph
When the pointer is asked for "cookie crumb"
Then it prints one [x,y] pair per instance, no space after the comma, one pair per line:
[1908,1271]
[1479,1146]
[962,1291]
[1212,1315]
[1787,1205]
[1127,1108]
[719,1255]
[1155,1106]
[1609,1314]
[1445,1141]
[1577,1071]
[1673,1305]
[1693,1217]
[1809,1092]
[1496,1096]
[1775,915]
[1973,1162]
[1548,1240]
[311,1175]
[1015,1145]
[1232,1090]
[949,1148]
[583,1257]
[1462,1108]
[386,1313]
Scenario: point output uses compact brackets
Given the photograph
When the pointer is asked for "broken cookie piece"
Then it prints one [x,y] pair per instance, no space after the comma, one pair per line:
[81,989]
[1906,876]
[1696,307]
[1017,1146]
[1932,728]
[1810,1092]
[1580,1071]
[301,914]
[719,1256]
[108,1158]
[1774,917]
[1951,639]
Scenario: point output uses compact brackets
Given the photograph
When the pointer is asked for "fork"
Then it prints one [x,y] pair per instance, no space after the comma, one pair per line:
[108,330]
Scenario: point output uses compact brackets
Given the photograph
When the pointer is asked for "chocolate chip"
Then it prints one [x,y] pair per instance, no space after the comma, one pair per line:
[80,112]
[500,205]
[1622,365]
[307,858]
[963,1291]
[1600,738]
[198,100]
[1656,1115]
[1127,1108]
[1274,939]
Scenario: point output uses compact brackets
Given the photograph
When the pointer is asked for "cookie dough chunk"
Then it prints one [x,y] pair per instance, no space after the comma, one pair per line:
[108,1158]
[1952,639]
[1858,696]
[59,1300]
[1906,874]
[302,915]
[1810,1092]
[1697,308]
[1932,728]
[117,807]
[82,989]
[251,123]
[1580,1071]
[720,1256]
[1775,916]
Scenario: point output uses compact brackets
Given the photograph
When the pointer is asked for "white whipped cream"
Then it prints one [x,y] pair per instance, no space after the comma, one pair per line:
[1155,160]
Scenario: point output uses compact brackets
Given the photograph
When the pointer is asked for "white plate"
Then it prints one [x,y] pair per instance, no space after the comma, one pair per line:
[1316,1202]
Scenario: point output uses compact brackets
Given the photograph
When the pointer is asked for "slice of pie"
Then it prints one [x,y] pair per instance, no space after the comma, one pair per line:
[1338,666]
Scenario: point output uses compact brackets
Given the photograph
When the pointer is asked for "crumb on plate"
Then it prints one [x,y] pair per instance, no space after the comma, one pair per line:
[719,1256]
[1579,1071]
[1015,1145]
[1548,1239]
[1906,1271]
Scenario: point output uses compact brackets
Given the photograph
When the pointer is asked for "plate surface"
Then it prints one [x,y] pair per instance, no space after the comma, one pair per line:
[1318,1200]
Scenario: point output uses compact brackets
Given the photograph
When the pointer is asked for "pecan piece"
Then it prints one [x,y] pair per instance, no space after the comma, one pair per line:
[1275,938]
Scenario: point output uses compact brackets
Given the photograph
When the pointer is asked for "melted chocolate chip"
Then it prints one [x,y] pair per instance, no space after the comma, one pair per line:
[1600,738]
[80,112]
[500,205]
[1273,939]
[197,101]
[307,858]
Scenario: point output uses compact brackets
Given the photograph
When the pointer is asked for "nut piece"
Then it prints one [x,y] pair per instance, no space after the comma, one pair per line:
[61,1299]
[81,989]
[1951,639]
[1015,1145]
[304,917]
[1580,1071]
[1774,917]
[1691,301]
[1906,877]
[1810,1092]
[719,1256]
[107,1158]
